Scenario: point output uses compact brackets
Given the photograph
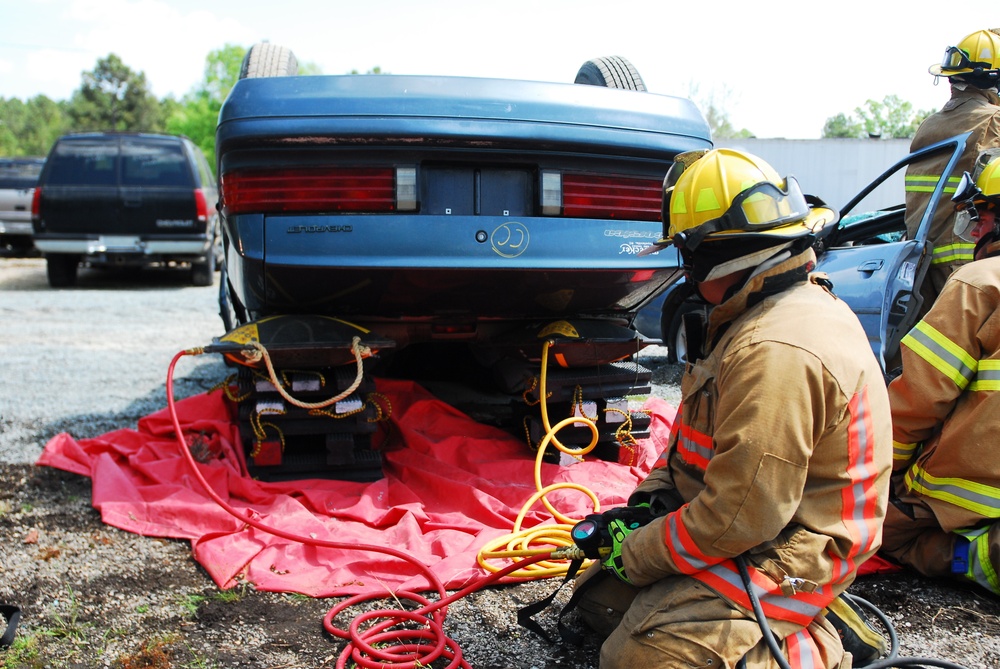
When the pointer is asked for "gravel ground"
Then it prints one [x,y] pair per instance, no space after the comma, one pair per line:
[93,359]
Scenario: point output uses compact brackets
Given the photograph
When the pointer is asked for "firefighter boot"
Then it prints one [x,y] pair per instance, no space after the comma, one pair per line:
[859,638]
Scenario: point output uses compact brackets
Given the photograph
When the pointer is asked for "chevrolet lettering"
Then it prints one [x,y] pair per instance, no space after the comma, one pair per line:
[296,229]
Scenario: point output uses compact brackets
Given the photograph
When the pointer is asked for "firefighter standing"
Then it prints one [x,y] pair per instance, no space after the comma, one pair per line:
[781,452]
[945,407]
[972,68]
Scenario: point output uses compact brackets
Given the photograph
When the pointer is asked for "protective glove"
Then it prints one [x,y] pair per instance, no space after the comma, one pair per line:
[600,535]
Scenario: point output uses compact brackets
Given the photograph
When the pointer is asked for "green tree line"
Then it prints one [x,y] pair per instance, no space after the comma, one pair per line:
[114,97]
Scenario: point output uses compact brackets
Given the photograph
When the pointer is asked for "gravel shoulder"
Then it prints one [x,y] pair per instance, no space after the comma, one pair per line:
[93,359]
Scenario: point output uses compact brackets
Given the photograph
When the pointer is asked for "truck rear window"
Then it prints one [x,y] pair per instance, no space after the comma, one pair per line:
[84,163]
[154,163]
[141,162]
[19,176]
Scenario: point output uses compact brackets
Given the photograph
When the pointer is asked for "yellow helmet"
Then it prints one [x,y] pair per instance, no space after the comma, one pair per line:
[978,53]
[988,180]
[725,194]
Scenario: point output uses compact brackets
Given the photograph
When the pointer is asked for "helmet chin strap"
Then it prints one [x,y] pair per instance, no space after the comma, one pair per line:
[745,262]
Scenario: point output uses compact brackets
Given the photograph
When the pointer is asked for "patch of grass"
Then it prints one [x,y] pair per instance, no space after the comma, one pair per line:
[192,602]
[23,653]
[71,626]
[198,661]
[232,595]
[228,596]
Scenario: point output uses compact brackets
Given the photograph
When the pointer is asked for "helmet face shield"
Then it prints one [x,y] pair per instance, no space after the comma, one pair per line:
[966,216]
[956,59]
[966,221]
[763,206]
[766,206]
[970,203]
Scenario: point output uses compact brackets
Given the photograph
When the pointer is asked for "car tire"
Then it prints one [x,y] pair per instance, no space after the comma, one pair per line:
[233,313]
[61,270]
[675,337]
[610,72]
[219,250]
[268,60]
[203,273]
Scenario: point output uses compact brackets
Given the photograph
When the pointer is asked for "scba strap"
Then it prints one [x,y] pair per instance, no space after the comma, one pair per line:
[12,614]
[524,615]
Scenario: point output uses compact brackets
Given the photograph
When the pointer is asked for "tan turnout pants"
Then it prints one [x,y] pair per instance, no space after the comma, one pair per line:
[678,622]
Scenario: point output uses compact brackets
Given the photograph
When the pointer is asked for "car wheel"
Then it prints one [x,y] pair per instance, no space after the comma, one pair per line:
[610,72]
[231,311]
[61,270]
[203,273]
[268,60]
[219,251]
[675,336]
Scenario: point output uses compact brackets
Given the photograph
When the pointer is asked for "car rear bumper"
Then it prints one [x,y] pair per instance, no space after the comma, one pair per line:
[120,245]
[15,227]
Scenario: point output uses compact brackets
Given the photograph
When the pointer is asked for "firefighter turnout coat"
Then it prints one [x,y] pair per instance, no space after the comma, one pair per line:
[974,110]
[944,414]
[781,453]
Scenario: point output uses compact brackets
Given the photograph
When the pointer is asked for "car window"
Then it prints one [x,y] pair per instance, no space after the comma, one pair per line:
[870,221]
[148,162]
[19,175]
[83,162]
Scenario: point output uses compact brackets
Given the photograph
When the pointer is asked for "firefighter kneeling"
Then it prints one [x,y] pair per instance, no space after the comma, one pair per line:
[780,456]
[945,407]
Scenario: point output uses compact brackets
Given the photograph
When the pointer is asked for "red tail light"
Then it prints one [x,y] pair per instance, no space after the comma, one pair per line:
[367,189]
[200,205]
[602,196]
[36,203]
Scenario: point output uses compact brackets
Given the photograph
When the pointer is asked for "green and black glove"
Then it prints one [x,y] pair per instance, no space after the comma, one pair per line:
[600,535]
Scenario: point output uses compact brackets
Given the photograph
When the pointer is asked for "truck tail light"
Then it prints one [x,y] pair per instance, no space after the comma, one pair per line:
[200,205]
[36,203]
[580,195]
[360,189]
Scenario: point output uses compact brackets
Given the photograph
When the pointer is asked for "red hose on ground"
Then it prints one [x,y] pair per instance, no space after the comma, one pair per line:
[405,639]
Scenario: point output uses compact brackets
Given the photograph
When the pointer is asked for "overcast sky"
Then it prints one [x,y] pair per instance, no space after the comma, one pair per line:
[779,69]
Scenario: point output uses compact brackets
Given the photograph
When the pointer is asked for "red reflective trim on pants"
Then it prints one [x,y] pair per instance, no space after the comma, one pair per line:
[860,498]
[802,651]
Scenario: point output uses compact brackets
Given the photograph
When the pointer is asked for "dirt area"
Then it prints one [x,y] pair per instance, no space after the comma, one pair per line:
[95,596]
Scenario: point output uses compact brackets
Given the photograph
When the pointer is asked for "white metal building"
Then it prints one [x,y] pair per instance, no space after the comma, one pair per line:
[834,170]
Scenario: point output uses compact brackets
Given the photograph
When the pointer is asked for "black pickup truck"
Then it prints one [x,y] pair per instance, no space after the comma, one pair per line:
[126,200]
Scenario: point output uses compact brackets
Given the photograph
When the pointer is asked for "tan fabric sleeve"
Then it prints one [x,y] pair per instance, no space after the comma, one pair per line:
[925,393]
[765,431]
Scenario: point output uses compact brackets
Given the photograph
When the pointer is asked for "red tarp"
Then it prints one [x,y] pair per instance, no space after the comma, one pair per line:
[450,486]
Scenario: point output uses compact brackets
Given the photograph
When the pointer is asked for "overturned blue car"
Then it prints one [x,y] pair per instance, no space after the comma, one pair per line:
[462,232]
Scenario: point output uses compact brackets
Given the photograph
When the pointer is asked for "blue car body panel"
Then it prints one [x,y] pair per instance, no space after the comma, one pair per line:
[497,258]
[335,109]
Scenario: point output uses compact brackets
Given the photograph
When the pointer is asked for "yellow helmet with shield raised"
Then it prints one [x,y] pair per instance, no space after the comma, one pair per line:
[726,195]
[978,54]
